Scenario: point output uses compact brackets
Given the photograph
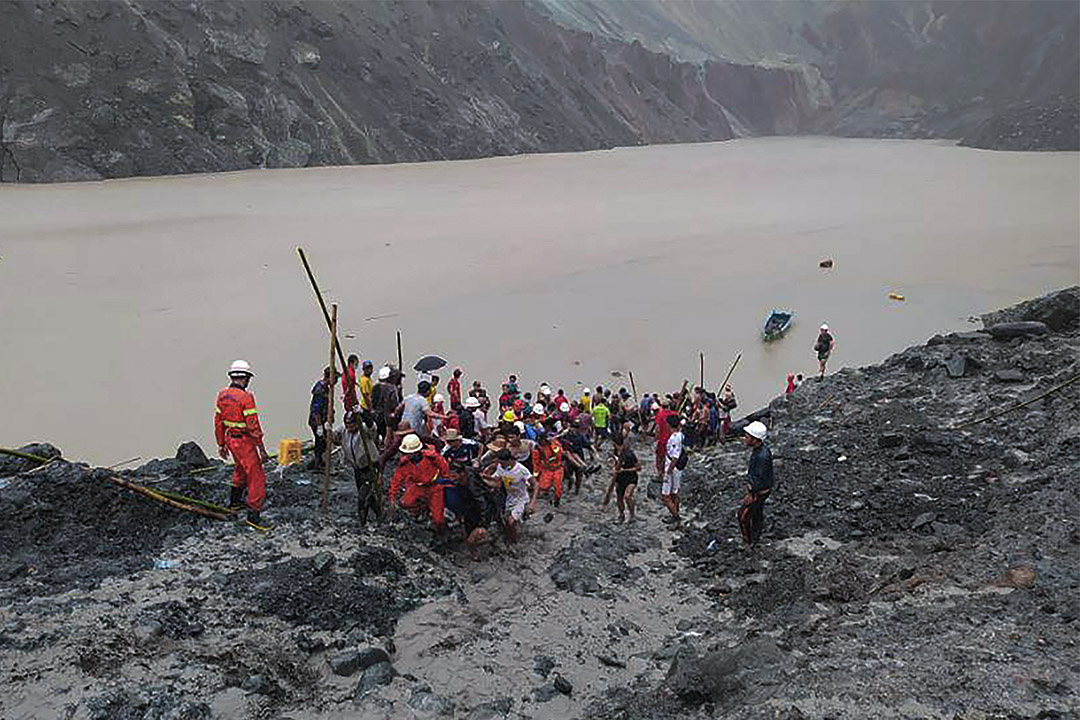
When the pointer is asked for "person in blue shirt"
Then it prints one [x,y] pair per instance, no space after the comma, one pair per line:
[759,483]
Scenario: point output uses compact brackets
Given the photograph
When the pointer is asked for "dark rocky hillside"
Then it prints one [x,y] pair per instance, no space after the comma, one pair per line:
[111,88]
[1053,124]
[114,88]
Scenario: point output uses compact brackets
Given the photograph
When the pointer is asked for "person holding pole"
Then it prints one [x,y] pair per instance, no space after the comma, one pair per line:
[363,461]
[318,416]
[238,433]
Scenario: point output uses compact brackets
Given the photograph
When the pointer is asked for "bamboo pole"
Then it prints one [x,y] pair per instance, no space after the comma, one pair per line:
[702,375]
[324,495]
[633,387]
[400,364]
[1008,410]
[333,333]
[23,456]
[153,495]
[728,376]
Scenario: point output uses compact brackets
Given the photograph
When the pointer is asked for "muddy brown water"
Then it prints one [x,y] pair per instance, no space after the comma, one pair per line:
[122,302]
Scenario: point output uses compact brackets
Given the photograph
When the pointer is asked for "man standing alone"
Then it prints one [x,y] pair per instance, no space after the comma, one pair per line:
[823,347]
[238,433]
[759,483]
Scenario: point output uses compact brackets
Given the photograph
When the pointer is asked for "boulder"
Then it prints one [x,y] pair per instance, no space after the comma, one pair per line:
[743,675]
[258,685]
[354,661]
[1009,375]
[379,674]
[890,440]
[1059,311]
[922,520]
[190,453]
[323,563]
[956,366]
[1023,329]
[563,685]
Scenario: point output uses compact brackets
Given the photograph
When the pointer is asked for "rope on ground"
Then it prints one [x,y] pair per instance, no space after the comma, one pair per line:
[1006,411]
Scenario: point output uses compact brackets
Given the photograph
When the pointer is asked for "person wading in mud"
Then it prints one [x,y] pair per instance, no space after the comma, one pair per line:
[624,477]
[238,433]
[363,461]
[759,483]
[675,463]
[516,479]
[419,469]
[823,347]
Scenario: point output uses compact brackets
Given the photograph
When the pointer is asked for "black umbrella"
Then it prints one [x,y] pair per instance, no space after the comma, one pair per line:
[429,363]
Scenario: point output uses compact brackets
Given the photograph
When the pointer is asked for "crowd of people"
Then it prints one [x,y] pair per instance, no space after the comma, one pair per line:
[466,460]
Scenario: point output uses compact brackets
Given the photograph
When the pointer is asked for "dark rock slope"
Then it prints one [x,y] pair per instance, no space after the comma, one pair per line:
[115,88]
[913,566]
[1052,124]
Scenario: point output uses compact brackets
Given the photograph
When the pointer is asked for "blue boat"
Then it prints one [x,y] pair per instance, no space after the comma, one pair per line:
[777,323]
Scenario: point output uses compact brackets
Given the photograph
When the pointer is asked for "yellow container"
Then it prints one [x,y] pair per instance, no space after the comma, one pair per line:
[288,451]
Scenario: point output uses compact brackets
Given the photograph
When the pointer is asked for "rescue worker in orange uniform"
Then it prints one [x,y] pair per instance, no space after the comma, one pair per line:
[547,462]
[238,433]
[419,469]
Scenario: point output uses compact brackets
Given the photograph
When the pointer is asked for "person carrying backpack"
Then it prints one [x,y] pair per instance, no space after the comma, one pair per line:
[823,347]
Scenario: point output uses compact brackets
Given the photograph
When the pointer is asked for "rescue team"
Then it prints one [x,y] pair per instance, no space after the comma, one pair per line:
[450,456]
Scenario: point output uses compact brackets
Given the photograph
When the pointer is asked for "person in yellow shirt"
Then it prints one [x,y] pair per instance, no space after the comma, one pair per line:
[364,385]
[586,401]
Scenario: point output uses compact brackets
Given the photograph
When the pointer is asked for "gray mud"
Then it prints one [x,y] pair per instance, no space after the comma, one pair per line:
[907,571]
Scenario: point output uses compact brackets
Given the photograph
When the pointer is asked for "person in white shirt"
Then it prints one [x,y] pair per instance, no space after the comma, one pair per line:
[517,481]
[674,457]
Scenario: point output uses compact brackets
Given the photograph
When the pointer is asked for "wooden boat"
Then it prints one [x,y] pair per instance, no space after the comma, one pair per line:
[777,323]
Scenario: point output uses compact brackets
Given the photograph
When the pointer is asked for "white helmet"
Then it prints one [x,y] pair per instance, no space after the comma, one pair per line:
[240,367]
[472,402]
[757,430]
[538,409]
[565,407]
[545,390]
[585,391]
[410,444]
[438,398]
[824,327]
[384,372]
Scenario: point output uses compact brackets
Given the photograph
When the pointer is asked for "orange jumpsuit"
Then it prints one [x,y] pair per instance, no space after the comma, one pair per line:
[547,462]
[420,481]
[236,427]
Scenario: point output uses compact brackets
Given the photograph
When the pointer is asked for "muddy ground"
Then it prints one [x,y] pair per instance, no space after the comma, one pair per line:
[908,570]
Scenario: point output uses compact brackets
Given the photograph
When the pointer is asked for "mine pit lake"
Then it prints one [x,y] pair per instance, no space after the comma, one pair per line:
[123,302]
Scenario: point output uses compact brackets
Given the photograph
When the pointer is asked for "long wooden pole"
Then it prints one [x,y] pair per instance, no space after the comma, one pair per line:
[341,356]
[324,496]
[633,387]
[400,366]
[731,370]
[1024,404]
[322,304]
[147,492]
[702,383]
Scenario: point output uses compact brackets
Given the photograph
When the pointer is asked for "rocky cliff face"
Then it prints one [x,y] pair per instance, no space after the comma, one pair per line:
[113,88]
[121,87]
[910,68]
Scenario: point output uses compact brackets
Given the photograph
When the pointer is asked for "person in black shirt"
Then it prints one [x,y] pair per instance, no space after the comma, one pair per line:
[759,484]
[625,478]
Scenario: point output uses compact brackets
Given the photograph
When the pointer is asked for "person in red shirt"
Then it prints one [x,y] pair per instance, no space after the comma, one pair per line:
[418,471]
[238,433]
[547,463]
[348,383]
[663,432]
[453,388]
